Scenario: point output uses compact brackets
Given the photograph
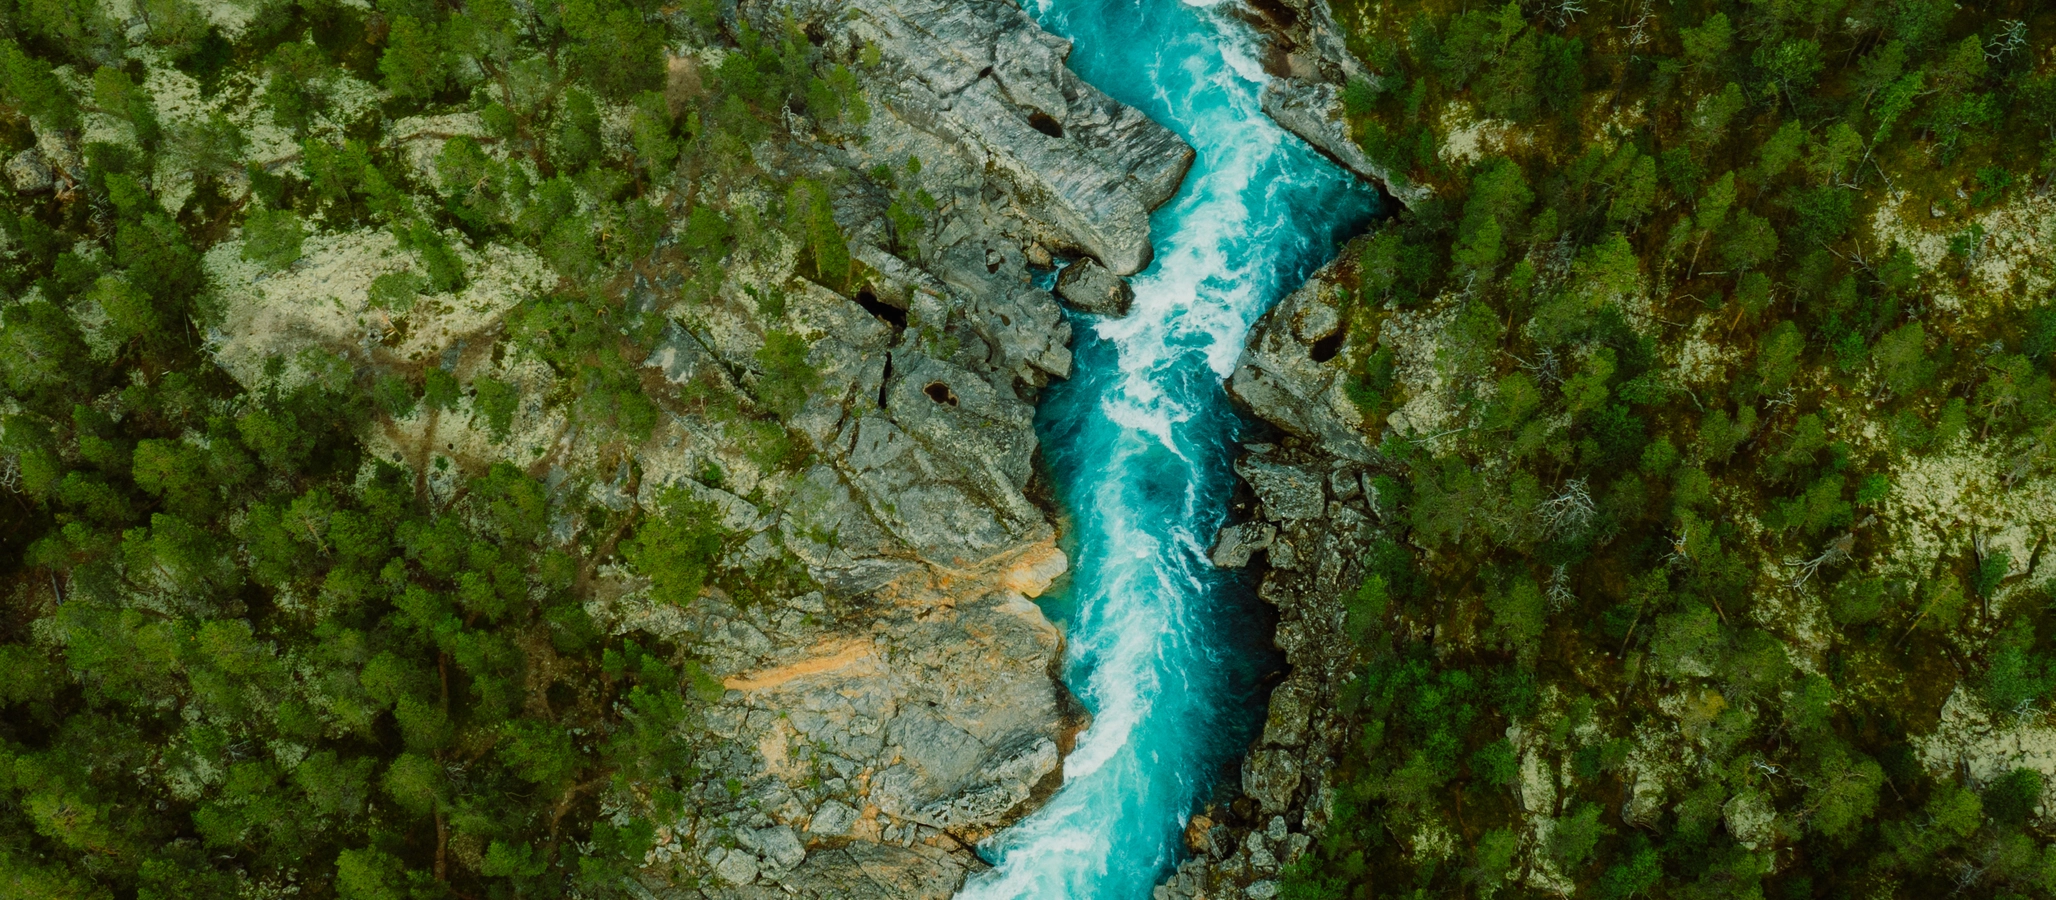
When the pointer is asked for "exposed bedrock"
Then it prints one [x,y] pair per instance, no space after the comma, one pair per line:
[1291,375]
[1083,168]
[1087,286]
[869,735]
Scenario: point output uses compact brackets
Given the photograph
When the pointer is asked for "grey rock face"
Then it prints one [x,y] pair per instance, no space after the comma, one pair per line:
[939,721]
[1271,777]
[736,867]
[1026,332]
[1291,708]
[1088,287]
[682,358]
[833,819]
[981,74]
[870,871]
[1237,543]
[832,532]
[779,845]
[1292,376]
[941,470]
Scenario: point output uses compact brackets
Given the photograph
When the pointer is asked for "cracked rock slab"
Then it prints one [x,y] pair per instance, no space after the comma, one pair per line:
[983,75]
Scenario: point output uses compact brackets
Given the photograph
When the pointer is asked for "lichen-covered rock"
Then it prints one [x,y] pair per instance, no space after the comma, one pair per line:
[28,173]
[1986,747]
[1271,777]
[1750,818]
[1291,708]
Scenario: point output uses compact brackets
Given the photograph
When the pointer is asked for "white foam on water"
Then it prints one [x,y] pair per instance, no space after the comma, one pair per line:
[1144,471]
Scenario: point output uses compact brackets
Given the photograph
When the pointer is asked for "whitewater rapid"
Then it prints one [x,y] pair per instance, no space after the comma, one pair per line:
[1166,652]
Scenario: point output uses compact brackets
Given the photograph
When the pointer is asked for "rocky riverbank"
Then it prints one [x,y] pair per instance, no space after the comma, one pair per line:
[1310,66]
[1307,520]
[870,733]
[1308,515]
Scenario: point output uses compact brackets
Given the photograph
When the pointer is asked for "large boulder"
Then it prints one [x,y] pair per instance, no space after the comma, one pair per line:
[1088,287]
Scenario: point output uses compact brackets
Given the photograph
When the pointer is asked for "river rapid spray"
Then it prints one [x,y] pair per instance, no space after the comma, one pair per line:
[1164,650]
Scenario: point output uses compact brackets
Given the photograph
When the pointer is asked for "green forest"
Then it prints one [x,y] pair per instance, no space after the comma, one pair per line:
[240,654]
[1598,549]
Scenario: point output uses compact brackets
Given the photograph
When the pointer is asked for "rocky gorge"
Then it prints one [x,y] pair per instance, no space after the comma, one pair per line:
[868,763]
[861,734]
[873,733]
[857,738]
[737,449]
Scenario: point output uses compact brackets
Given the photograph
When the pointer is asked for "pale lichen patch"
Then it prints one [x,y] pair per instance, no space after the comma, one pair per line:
[324,299]
[1938,504]
[2006,245]
[231,16]
[421,139]
[1969,740]
[1414,338]
[1468,138]
[1700,359]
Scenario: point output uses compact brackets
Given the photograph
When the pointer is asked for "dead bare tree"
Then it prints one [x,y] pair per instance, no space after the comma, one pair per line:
[1638,30]
[1837,551]
[1561,13]
[1560,595]
[1568,512]
[2011,38]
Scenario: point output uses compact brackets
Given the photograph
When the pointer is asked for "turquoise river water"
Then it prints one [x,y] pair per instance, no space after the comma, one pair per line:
[1166,652]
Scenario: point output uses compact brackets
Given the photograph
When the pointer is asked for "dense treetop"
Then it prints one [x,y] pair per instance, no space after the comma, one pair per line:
[1707,278]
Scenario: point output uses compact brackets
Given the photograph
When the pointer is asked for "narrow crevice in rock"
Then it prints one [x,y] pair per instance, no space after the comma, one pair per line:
[886,312]
[885,381]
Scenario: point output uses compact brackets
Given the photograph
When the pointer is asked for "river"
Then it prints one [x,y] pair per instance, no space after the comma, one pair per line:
[1167,653]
